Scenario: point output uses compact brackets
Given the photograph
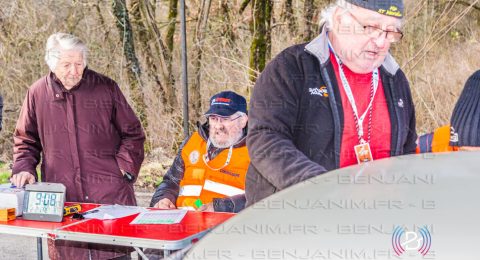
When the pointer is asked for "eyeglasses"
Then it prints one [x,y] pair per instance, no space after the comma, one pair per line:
[221,119]
[374,32]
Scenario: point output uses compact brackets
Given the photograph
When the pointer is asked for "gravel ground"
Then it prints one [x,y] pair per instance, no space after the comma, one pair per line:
[21,247]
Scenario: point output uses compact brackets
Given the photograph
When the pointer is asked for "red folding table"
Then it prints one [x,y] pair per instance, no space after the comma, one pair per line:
[39,229]
[120,232]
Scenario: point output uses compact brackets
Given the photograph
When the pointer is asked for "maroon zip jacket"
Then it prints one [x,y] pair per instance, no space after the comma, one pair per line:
[84,136]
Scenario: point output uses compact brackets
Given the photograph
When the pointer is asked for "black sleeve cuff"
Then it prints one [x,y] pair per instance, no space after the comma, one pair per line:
[223,205]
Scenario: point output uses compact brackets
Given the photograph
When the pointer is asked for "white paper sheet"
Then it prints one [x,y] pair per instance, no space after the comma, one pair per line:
[112,212]
[160,217]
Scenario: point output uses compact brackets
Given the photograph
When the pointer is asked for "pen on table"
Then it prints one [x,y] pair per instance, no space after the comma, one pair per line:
[80,216]
[15,187]
[91,211]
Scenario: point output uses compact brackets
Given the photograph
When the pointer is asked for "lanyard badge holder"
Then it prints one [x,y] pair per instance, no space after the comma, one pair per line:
[363,153]
[198,202]
[206,160]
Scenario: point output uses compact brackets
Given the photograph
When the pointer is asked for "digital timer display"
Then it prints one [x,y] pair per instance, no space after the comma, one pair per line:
[45,203]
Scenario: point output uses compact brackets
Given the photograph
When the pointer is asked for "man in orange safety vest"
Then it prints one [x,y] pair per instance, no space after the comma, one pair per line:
[209,172]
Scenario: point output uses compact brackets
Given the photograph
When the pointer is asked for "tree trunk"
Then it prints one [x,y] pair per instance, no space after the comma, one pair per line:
[308,11]
[104,26]
[172,19]
[261,42]
[225,17]
[289,17]
[200,30]
[164,55]
[269,16]
[244,5]
[145,37]
[132,67]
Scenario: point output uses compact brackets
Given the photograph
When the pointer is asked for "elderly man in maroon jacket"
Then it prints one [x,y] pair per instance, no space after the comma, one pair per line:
[79,123]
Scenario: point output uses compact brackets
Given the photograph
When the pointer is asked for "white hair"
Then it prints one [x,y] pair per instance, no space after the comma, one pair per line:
[326,16]
[58,42]
[239,114]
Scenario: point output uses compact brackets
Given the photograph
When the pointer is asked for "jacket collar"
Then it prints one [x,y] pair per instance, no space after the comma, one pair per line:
[57,87]
[319,48]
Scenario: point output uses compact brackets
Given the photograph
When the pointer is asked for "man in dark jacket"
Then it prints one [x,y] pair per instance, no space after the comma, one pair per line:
[462,134]
[337,101]
[81,126]
[209,171]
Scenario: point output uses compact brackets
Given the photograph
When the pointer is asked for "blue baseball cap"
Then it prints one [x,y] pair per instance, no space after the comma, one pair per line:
[226,103]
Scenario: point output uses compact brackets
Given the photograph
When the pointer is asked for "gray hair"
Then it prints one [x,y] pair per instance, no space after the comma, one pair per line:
[326,16]
[239,114]
[58,42]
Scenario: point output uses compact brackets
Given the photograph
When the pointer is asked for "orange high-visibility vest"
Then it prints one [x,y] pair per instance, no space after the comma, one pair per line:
[202,183]
[436,142]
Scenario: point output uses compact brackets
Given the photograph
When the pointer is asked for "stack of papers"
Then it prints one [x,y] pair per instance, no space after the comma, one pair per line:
[160,217]
[112,212]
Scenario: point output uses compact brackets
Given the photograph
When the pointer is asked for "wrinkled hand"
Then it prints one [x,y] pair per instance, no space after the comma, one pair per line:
[165,204]
[207,207]
[22,178]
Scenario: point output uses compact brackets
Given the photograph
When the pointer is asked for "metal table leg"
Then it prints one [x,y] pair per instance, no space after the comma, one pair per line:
[140,252]
[39,248]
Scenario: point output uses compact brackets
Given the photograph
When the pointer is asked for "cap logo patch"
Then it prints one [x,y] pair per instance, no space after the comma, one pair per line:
[392,11]
[221,101]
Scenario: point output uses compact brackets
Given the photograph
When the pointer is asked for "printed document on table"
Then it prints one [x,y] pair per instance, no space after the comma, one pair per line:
[112,212]
[160,217]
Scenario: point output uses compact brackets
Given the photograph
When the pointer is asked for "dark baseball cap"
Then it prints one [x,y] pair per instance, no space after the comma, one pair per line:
[226,103]
[393,8]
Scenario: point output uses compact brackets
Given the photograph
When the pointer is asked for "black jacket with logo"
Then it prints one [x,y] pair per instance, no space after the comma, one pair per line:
[295,128]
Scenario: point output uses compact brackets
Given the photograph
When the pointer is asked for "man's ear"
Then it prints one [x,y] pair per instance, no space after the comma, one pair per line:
[244,121]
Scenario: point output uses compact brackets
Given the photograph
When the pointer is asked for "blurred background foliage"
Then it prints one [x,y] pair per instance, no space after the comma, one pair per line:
[137,43]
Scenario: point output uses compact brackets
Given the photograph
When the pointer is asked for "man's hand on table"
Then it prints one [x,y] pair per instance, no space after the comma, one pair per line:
[165,204]
[22,178]
[207,207]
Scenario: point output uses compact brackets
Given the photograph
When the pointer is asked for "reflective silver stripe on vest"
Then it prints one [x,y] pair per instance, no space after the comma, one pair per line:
[221,188]
[190,190]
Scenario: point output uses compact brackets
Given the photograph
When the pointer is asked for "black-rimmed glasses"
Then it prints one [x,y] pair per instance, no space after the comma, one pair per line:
[221,119]
[375,32]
